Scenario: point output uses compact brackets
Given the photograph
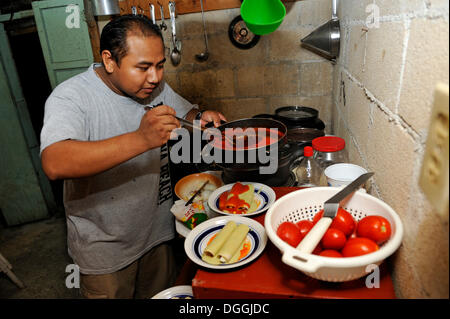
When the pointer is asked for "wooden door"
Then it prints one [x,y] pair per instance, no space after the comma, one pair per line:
[64,37]
[25,193]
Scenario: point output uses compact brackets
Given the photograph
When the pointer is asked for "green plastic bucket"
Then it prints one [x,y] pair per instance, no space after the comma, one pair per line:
[263,16]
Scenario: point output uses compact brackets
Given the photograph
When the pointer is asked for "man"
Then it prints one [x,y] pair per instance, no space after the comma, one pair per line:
[100,136]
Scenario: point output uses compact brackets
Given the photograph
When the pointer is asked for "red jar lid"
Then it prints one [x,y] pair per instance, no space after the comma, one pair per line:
[328,144]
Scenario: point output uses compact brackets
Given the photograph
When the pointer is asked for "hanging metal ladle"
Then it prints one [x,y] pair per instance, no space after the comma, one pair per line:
[203,56]
[175,56]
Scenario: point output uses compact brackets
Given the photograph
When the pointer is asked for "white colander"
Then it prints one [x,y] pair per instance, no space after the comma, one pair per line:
[304,204]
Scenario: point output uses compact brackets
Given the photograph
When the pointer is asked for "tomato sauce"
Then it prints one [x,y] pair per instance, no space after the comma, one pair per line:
[234,205]
[250,138]
[245,249]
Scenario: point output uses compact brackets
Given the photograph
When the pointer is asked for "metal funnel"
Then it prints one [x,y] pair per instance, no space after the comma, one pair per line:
[326,38]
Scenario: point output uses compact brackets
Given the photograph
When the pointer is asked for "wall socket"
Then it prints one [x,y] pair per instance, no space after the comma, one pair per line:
[435,173]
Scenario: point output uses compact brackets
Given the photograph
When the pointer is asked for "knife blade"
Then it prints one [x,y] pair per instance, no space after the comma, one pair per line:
[196,193]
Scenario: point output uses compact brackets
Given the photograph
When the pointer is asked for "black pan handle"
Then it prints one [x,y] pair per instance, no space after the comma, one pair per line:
[211,124]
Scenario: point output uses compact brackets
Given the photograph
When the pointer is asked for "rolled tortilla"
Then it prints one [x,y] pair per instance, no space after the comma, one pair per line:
[240,198]
[233,243]
[213,248]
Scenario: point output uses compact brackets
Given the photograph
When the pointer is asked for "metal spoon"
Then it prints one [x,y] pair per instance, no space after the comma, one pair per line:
[175,56]
[163,25]
[202,57]
[152,13]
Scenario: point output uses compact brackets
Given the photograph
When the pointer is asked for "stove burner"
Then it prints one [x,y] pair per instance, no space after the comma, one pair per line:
[290,182]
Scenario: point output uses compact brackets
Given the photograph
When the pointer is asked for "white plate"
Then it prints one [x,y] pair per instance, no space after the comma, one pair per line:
[184,231]
[177,292]
[265,198]
[198,238]
[181,229]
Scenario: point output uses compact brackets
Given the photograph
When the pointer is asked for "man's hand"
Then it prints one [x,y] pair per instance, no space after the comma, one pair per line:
[157,124]
[212,116]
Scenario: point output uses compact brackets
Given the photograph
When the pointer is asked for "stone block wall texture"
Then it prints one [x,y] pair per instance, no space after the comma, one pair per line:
[383,88]
[276,72]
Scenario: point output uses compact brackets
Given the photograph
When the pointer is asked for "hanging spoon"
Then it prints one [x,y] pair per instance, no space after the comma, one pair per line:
[163,24]
[203,56]
[175,56]
[152,13]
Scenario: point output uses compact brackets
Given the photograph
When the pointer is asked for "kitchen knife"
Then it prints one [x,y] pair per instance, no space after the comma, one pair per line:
[196,193]
[331,206]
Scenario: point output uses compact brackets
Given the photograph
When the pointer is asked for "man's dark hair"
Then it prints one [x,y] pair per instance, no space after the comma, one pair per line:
[114,34]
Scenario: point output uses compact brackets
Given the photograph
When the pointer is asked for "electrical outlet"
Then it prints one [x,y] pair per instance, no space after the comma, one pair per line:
[434,173]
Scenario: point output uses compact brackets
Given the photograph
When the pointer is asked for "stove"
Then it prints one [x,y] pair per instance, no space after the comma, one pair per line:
[290,182]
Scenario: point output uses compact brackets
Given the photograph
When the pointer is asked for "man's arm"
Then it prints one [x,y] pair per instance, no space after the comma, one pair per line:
[74,159]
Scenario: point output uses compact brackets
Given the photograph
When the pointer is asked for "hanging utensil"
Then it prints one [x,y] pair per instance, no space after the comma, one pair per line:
[331,206]
[105,7]
[263,16]
[152,13]
[175,56]
[133,10]
[202,57]
[163,25]
[240,36]
[326,38]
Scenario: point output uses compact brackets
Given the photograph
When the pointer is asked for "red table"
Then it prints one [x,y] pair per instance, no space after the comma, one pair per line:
[269,277]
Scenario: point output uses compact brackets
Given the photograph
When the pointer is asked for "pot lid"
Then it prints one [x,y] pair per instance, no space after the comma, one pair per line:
[297,113]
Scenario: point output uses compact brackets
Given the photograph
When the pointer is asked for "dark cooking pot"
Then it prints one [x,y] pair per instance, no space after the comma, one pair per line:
[286,157]
[296,116]
[281,151]
[242,157]
[302,135]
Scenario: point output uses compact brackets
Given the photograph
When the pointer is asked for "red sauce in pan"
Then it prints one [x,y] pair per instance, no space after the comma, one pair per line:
[250,138]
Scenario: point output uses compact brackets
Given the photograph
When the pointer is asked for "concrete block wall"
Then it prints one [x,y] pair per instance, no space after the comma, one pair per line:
[242,83]
[383,87]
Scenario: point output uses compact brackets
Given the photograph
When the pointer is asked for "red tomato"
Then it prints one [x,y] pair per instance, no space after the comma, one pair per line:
[374,227]
[343,221]
[304,226]
[330,253]
[359,246]
[290,233]
[353,235]
[317,250]
[333,239]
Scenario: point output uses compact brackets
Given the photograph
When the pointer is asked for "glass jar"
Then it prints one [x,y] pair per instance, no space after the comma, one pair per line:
[329,150]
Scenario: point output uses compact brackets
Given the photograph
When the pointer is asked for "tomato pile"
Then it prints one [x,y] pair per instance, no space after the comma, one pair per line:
[344,238]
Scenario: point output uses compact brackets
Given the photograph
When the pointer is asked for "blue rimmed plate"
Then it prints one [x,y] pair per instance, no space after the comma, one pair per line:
[176,292]
[200,236]
[264,198]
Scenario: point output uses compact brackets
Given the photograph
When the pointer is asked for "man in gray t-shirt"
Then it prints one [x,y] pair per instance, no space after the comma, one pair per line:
[101,138]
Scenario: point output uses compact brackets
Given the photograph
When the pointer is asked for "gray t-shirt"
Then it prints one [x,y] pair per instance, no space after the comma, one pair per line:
[116,216]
